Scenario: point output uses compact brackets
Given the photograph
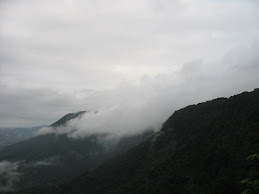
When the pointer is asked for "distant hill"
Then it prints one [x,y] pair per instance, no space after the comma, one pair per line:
[10,136]
[49,159]
[202,148]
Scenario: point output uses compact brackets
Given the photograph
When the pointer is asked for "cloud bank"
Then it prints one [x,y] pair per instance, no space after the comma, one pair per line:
[64,56]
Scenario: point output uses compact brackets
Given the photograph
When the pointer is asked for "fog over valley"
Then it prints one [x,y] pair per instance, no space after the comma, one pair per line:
[140,96]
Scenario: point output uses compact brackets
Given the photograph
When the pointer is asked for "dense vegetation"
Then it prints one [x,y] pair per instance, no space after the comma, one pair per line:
[202,148]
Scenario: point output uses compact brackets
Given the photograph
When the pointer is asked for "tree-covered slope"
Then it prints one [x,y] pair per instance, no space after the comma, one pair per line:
[200,149]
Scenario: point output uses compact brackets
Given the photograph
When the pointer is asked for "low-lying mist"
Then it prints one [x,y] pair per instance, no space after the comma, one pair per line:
[133,108]
[9,176]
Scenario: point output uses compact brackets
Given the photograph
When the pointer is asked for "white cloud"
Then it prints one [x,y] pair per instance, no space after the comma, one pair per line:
[133,108]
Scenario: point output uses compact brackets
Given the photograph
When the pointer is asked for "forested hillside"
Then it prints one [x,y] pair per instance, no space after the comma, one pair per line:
[202,148]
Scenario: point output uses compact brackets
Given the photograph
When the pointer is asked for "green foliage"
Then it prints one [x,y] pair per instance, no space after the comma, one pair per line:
[253,157]
[251,184]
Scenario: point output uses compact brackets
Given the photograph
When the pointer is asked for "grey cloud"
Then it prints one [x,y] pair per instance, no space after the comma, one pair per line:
[50,161]
[72,30]
[58,57]
[9,176]
[34,106]
[243,57]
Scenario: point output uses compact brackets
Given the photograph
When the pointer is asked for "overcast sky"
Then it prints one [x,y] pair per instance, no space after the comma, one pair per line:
[130,60]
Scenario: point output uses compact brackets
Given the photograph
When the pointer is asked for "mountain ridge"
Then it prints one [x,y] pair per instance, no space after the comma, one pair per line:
[62,121]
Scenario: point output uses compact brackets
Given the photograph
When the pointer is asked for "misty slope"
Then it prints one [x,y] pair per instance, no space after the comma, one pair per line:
[200,149]
[50,158]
